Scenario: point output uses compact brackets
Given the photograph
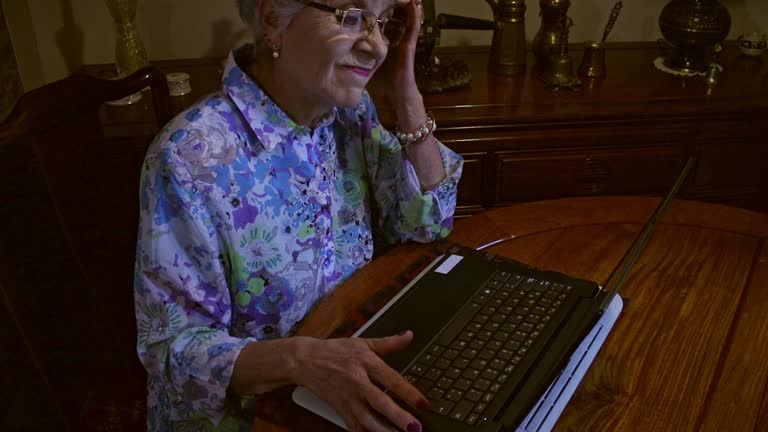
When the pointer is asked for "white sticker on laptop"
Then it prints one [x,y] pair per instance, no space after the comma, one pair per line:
[449,264]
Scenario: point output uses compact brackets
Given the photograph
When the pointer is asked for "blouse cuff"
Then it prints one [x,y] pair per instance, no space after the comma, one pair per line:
[445,191]
[202,363]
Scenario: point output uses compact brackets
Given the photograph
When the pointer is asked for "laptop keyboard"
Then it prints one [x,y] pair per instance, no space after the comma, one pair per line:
[470,360]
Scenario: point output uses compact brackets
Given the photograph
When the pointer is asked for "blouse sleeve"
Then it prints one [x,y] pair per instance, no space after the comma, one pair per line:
[405,212]
[181,297]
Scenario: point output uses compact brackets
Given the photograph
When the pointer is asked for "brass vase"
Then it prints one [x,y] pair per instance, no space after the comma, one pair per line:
[695,28]
[130,54]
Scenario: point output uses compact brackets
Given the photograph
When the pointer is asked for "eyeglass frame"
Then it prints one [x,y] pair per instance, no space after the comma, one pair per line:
[342,13]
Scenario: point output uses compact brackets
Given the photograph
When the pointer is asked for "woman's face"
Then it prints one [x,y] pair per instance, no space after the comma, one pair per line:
[330,68]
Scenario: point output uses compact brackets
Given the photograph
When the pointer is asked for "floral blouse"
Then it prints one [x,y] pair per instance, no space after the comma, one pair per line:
[248,220]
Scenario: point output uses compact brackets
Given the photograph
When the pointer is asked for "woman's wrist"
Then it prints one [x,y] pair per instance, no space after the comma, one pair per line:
[263,366]
[410,112]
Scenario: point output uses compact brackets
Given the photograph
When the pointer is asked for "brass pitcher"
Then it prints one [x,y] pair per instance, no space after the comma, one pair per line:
[508,49]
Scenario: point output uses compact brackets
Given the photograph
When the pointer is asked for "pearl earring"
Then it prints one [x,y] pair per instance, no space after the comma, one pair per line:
[275,54]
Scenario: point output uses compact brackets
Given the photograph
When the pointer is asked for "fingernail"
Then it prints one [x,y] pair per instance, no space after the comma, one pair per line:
[414,426]
[402,333]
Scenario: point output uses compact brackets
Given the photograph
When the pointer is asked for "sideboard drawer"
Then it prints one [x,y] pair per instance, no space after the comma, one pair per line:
[473,192]
[532,175]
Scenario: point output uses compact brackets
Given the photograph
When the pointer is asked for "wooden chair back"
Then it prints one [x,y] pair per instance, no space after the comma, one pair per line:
[68,223]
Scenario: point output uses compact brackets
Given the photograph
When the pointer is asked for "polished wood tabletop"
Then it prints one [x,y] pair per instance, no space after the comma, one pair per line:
[690,351]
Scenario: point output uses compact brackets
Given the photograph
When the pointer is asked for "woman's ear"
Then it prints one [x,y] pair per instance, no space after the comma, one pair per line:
[270,22]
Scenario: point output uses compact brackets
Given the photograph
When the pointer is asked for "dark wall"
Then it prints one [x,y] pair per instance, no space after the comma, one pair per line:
[10,83]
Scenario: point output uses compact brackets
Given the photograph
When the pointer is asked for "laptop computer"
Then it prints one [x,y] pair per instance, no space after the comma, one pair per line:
[504,346]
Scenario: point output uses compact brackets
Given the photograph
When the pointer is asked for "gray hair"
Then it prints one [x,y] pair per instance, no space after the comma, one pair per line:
[249,13]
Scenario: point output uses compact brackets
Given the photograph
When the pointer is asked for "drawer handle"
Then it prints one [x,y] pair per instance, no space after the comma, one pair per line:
[593,171]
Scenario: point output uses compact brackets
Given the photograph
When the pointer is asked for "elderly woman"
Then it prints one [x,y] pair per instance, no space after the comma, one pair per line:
[260,199]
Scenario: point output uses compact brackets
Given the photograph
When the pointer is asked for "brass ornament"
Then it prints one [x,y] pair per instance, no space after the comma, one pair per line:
[695,28]
[130,54]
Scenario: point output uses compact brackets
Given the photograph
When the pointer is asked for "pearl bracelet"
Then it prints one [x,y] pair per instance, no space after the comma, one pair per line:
[408,138]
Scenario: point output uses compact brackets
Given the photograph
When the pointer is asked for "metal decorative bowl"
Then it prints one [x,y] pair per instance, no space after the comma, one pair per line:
[695,28]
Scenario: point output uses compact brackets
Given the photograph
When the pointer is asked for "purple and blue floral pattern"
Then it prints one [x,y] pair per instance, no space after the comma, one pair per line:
[247,220]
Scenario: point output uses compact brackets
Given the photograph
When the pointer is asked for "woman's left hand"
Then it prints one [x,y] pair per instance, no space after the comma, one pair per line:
[397,72]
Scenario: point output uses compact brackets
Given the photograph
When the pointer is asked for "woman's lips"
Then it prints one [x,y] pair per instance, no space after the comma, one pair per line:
[364,72]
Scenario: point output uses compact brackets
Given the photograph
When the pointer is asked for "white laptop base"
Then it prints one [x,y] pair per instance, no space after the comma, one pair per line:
[547,410]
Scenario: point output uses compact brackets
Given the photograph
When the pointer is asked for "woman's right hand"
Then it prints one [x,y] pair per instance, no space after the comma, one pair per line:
[349,374]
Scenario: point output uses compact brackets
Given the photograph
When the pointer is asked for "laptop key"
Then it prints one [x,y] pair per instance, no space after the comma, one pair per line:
[435,394]
[472,418]
[452,374]
[479,364]
[471,374]
[462,384]
[458,345]
[512,345]
[433,374]
[494,345]
[482,384]
[477,344]
[500,276]
[473,395]
[454,395]
[501,336]
[417,369]
[436,350]
[461,410]
[533,319]
[427,359]
[442,364]
[450,354]
[486,354]
[497,364]
[444,383]
[461,363]
[490,375]
[442,406]
[457,324]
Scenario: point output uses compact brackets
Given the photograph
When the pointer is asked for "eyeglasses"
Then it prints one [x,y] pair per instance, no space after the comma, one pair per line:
[360,22]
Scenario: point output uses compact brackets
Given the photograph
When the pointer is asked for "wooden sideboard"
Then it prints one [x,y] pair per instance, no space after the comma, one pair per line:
[627,134]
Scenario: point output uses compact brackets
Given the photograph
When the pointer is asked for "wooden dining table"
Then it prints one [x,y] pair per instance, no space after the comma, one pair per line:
[688,353]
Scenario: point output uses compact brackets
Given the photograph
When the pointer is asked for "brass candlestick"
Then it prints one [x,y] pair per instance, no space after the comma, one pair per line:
[130,54]
[508,49]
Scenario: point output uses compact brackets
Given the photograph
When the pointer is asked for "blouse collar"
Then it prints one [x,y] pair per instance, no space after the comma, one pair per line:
[267,120]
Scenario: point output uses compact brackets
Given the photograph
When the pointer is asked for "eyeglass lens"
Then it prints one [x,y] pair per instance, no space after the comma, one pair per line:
[360,21]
